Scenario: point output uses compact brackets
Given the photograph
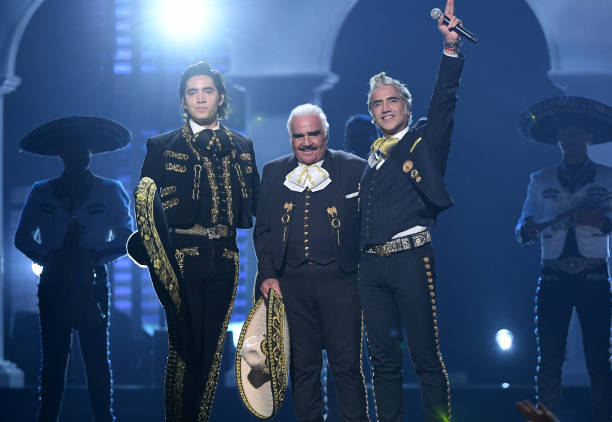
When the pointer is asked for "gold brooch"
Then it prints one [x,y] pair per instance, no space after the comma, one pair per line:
[408,164]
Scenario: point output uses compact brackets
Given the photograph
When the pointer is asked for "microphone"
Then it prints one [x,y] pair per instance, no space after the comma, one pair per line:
[436,13]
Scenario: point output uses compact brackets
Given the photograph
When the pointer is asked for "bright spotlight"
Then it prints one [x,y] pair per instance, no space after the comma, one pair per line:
[36,269]
[235,328]
[505,385]
[504,339]
[186,20]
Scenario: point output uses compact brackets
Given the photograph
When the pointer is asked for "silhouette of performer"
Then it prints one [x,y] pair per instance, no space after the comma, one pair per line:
[73,225]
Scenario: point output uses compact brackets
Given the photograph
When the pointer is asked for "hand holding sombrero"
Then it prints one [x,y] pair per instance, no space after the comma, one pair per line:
[262,357]
[543,121]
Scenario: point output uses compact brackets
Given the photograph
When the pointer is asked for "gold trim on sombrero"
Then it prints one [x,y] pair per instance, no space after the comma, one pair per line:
[145,195]
[263,392]
[275,356]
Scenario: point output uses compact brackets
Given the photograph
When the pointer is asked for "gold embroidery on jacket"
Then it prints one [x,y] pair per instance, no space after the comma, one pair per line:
[177,155]
[176,167]
[285,218]
[334,221]
[245,194]
[167,191]
[197,173]
[245,156]
[214,189]
[228,189]
[170,203]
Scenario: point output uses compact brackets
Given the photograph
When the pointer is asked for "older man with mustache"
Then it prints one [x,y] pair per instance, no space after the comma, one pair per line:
[307,244]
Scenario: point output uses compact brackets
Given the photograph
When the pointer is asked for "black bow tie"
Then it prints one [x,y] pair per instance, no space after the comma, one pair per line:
[209,140]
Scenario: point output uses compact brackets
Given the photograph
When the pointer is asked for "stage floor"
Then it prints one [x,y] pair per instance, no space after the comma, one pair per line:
[473,403]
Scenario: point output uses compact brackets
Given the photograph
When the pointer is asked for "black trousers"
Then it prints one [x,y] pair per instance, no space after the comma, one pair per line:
[64,306]
[323,312]
[558,293]
[209,280]
[398,297]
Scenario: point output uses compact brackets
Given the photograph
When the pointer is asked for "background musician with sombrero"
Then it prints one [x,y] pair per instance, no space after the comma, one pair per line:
[569,209]
[65,226]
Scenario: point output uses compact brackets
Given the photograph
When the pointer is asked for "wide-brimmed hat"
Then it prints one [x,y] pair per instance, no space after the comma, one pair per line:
[96,133]
[150,245]
[262,357]
[543,121]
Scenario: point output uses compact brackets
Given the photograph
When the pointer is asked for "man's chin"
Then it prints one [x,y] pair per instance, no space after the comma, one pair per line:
[204,121]
[307,159]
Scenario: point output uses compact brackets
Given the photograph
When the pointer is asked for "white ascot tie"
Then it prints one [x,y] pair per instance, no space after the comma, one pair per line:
[313,177]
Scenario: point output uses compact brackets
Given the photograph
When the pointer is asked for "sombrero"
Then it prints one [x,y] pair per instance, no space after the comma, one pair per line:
[150,245]
[542,121]
[262,357]
[97,133]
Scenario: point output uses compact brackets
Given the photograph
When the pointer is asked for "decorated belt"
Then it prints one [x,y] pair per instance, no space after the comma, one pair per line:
[401,244]
[573,264]
[215,232]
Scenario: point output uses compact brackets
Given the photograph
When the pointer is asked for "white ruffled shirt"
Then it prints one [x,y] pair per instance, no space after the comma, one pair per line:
[313,177]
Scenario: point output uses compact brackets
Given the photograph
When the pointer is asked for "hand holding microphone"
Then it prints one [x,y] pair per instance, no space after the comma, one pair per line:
[450,25]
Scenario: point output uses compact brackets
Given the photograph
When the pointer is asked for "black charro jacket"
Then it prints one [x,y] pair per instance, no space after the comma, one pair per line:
[338,200]
[417,163]
[184,181]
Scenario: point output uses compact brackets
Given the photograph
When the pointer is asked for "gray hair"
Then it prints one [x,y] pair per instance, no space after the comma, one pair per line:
[308,110]
[382,79]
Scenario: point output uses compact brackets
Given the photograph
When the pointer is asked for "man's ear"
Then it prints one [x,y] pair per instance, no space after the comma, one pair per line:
[222,99]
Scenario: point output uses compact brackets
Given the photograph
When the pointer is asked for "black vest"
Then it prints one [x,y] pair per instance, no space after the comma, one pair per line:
[310,236]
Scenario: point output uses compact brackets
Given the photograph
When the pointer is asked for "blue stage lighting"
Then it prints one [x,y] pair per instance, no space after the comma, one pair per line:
[186,21]
[36,269]
[504,339]
[505,385]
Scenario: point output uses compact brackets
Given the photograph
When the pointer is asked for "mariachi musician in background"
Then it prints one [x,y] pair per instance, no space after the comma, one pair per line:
[568,207]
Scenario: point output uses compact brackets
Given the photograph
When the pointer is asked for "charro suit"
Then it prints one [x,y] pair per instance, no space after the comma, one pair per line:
[396,272]
[73,291]
[309,242]
[574,274]
[208,184]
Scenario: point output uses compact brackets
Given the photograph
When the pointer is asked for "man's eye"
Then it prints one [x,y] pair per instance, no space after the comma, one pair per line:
[298,135]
